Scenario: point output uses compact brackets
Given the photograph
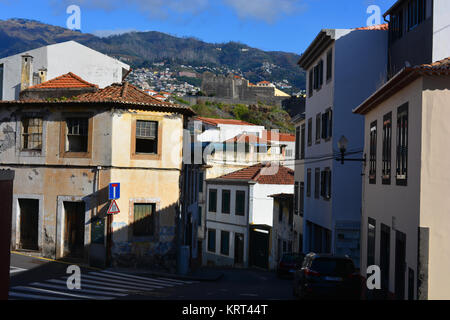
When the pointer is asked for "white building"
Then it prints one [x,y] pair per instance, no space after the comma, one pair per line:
[406,213]
[32,67]
[239,215]
[343,66]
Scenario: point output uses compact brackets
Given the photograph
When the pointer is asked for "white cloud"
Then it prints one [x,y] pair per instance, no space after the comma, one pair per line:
[265,10]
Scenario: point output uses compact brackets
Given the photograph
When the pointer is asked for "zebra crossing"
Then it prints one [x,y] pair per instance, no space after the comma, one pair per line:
[95,285]
[13,270]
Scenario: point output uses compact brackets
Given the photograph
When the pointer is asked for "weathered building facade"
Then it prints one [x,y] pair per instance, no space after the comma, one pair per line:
[66,152]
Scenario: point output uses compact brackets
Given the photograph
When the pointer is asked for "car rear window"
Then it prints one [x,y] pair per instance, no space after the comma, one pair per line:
[331,266]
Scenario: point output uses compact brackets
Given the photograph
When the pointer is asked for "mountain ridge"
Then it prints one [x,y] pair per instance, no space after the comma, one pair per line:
[141,49]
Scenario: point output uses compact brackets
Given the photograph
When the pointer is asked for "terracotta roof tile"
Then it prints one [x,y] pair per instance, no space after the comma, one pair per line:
[124,92]
[384,26]
[118,93]
[247,138]
[263,173]
[285,137]
[216,122]
[68,80]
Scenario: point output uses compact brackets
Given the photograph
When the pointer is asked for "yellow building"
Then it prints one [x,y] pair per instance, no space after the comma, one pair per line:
[67,150]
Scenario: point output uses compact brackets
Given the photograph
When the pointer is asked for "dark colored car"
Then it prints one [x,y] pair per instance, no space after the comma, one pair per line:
[327,276]
[289,262]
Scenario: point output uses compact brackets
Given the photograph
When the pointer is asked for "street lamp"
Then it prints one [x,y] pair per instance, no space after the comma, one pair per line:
[342,146]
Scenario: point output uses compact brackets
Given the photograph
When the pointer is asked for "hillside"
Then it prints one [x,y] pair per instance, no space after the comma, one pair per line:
[141,49]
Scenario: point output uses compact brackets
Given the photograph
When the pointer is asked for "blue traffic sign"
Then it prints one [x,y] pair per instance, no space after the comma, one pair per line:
[114,191]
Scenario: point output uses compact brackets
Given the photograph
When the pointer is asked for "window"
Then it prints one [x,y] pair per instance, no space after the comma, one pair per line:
[240,203]
[302,198]
[325,182]
[371,233]
[316,183]
[211,240]
[416,13]
[373,153]
[225,243]
[309,132]
[302,154]
[297,143]
[146,137]
[327,124]
[402,145]
[200,181]
[144,219]
[32,134]
[311,79]
[200,215]
[77,135]
[280,210]
[226,201]
[329,64]
[308,183]
[212,200]
[396,26]
[1,81]
[318,120]
[387,145]
[296,197]
[318,75]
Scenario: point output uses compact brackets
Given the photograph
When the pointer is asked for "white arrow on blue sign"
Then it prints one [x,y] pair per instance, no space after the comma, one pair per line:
[114,191]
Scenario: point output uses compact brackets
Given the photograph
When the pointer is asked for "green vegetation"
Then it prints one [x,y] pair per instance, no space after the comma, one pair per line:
[272,117]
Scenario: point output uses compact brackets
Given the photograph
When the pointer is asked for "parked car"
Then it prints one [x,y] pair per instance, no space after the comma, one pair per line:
[289,262]
[327,276]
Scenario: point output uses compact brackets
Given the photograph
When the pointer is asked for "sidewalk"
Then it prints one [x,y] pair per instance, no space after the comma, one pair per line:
[201,274]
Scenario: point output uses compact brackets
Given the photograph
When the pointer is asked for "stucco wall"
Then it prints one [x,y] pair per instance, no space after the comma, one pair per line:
[435,182]
[441,30]
[389,203]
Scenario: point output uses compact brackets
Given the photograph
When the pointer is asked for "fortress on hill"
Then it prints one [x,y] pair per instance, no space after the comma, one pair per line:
[238,89]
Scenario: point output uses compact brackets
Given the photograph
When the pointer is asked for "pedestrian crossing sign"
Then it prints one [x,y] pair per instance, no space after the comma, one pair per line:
[113,208]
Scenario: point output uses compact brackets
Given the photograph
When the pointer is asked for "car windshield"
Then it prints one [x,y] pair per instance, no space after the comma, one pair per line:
[292,258]
[332,266]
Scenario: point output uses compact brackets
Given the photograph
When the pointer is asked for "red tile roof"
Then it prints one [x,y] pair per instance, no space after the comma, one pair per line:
[285,137]
[247,138]
[268,173]
[68,80]
[384,26]
[118,94]
[124,93]
[216,122]
[401,80]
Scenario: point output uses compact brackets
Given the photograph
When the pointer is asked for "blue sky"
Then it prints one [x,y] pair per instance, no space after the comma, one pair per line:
[278,25]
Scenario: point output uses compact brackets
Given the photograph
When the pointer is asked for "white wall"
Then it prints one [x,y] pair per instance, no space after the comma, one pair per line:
[441,30]
[59,59]
[262,206]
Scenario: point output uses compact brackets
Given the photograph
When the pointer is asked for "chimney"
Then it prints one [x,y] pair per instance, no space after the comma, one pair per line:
[27,72]
[43,75]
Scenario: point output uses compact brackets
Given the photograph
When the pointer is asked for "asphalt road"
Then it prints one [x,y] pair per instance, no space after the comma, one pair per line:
[34,278]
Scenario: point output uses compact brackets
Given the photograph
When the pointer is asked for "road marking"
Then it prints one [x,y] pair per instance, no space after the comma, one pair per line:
[16,270]
[32,296]
[82,290]
[114,281]
[32,289]
[91,285]
[147,280]
[94,286]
